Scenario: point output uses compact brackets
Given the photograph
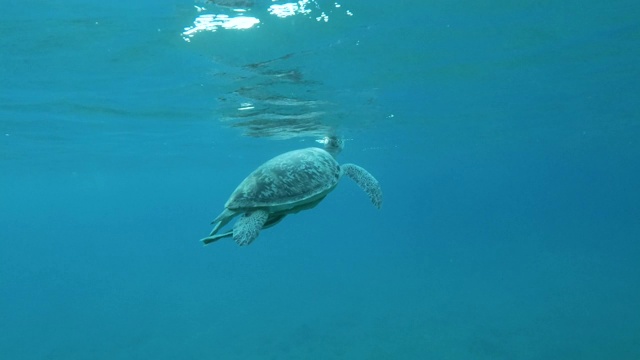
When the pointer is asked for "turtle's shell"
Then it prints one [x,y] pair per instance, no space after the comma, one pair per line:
[287,181]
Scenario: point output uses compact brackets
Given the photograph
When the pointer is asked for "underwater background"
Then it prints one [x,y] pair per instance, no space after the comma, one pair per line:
[505,135]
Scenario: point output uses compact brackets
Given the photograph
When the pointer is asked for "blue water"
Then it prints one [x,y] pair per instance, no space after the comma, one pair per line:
[505,135]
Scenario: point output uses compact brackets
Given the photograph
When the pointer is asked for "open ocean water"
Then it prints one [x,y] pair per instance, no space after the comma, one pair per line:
[505,135]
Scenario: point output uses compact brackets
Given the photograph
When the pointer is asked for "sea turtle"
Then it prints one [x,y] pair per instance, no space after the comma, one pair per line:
[291,182]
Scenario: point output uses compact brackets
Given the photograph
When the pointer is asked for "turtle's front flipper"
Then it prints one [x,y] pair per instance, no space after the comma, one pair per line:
[248,227]
[365,181]
[209,239]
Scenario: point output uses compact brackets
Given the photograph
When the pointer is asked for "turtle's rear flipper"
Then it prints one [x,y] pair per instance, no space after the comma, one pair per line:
[248,227]
[272,220]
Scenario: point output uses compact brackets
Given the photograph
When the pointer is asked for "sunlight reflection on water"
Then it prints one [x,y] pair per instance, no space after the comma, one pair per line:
[211,22]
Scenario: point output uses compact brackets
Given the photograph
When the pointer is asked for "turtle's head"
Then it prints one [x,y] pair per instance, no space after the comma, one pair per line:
[332,144]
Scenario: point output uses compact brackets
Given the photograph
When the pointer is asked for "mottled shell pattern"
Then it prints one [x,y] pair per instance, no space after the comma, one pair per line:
[287,180]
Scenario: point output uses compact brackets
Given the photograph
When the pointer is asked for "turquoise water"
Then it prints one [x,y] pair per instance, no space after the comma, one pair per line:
[506,137]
